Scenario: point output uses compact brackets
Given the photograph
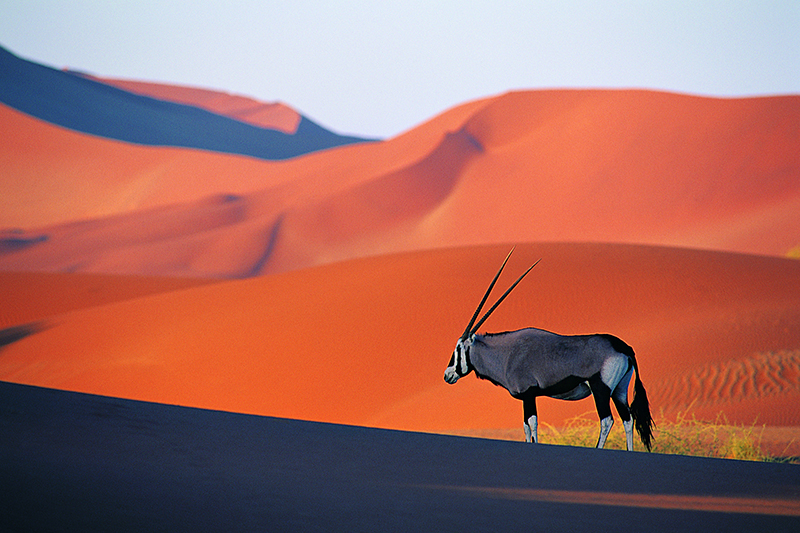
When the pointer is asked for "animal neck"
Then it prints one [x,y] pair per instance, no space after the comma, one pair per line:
[487,362]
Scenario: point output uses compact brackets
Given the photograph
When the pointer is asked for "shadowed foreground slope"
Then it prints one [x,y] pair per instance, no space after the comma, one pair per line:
[91,463]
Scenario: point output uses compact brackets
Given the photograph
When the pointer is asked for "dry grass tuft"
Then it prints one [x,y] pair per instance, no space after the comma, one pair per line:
[685,436]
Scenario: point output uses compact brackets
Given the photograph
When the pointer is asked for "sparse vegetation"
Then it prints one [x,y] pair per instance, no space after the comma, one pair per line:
[685,436]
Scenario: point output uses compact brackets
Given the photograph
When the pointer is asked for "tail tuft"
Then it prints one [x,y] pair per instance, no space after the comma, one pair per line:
[640,412]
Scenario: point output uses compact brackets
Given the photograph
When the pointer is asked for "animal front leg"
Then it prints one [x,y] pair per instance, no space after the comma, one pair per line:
[531,428]
[531,422]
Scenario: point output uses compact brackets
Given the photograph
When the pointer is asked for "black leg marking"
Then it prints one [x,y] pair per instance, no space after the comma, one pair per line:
[602,396]
[528,408]
[622,408]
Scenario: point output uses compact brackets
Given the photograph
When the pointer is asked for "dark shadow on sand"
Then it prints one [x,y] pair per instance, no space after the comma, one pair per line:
[76,462]
[16,333]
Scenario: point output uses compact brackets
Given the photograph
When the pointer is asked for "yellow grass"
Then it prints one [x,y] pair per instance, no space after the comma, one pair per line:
[685,436]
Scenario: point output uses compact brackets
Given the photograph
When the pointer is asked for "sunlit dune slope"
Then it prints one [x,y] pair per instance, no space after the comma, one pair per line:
[630,166]
[596,166]
[367,341]
[29,297]
[275,116]
[52,175]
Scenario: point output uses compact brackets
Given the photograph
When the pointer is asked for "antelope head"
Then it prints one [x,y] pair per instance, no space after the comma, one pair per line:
[459,365]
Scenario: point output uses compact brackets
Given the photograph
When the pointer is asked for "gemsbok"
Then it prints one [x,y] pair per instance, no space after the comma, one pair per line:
[532,362]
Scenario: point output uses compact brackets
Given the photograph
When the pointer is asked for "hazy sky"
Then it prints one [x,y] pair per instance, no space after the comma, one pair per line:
[378,68]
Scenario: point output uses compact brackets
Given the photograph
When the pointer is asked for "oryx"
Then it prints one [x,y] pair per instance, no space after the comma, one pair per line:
[533,362]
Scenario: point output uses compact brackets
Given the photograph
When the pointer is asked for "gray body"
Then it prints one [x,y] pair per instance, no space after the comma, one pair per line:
[536,359]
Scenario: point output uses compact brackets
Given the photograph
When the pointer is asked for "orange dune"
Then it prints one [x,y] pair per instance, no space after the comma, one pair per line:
[55,176]
[33,296]
[366,341]
[276,116]
[52,175]
[605,166]
[590,166]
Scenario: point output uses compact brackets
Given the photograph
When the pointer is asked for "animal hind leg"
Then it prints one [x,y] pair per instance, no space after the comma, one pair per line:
[620,397]
[530,423]
[602,401]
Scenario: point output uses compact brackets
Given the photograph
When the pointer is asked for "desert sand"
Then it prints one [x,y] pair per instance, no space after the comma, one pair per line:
[30,297]
[588,166]
[87,463]
[365,342]
[307,296]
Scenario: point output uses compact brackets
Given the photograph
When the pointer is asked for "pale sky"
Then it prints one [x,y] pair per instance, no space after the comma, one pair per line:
[377,68]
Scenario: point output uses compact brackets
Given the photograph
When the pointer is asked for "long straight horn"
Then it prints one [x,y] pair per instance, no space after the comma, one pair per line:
[468,331]
[511,288]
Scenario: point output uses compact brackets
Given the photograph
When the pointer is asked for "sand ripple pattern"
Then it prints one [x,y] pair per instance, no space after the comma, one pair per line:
[761,375]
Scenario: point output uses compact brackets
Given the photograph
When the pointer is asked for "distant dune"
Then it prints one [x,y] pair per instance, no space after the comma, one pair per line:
[587,166]
[83,104]
[276,116]
[365,342]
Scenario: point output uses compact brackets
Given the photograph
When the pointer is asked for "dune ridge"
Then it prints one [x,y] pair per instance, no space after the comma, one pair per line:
[276,116]
[586,166]
[88,106]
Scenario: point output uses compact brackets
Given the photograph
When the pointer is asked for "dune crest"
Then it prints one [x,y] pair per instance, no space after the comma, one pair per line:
[276,116]
[85,105]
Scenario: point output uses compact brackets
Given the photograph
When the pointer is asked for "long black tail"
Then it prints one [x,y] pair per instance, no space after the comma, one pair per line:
[640,406]
[640,409]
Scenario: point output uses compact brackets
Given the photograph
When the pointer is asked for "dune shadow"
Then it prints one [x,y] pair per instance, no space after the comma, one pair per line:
[11,241]
[16,333]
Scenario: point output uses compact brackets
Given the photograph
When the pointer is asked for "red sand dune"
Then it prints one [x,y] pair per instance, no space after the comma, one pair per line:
[276,116]
[54,176]
[366,341]
[33,296]
[596,166]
